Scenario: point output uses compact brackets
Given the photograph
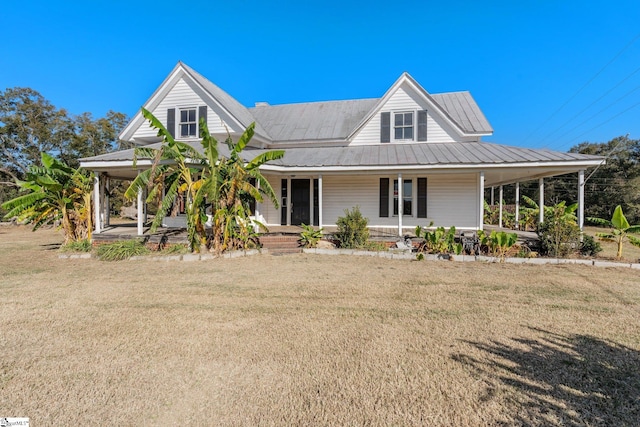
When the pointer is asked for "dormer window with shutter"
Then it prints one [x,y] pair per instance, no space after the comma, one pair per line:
[188,119]
[404,128]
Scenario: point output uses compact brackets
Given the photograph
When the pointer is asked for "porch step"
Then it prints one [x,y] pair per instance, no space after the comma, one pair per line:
[281,244]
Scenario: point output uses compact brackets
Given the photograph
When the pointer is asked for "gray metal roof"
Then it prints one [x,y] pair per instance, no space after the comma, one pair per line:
[463,109]
[389,155]
[425,154]
[313,121]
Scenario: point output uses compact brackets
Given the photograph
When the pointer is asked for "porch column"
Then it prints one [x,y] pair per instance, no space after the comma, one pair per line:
[107,202]
[501,193]
[96,204]
[517,206]
[320,201]
[581,199]
[492,198]
[481,200]
[400,204]
[140,214]
[541,200]
[288,201]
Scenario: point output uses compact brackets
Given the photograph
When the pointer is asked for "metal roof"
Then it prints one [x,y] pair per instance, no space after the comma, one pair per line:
[329,120]
[389,155]
[425,154]
[463,109]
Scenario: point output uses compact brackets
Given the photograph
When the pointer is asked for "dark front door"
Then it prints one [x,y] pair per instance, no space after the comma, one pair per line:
[300,213]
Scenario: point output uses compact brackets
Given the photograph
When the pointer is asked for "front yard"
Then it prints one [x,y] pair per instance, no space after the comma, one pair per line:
[313,340]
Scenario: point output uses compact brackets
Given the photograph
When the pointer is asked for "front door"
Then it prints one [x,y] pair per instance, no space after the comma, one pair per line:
[300,198]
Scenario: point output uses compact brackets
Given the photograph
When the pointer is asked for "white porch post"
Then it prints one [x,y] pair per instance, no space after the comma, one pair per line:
[581,199]
[320,201]
[256,214]
[140,214]
[517,206]
[400,203]
[492,198]
[500,210]
[288,201]
[96,204]
[541,200]
[481,201]
[107,202]
[311,213]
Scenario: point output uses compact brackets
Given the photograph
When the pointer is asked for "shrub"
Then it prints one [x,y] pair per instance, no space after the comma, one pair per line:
[309,237]
[352,229]
[83,245]
[438,241]
[121,250]
[559,234]
[589,246]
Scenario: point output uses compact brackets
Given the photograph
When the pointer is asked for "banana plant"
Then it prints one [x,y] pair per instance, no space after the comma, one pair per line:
[438,241]
[56,192]
[621,230]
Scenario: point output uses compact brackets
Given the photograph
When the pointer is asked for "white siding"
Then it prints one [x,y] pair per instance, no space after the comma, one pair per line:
[184,94]
[405,99]
[270,213]
[451,200]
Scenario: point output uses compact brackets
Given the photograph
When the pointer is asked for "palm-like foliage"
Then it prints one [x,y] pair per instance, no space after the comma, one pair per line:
[56,192]
[235,183]
[176,167]
[620,229]
[225,183]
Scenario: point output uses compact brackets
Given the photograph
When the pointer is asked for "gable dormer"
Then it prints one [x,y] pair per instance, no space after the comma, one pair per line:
[408,114]
[181,101]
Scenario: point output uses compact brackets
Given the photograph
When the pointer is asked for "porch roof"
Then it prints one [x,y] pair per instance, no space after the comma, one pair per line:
[503,163]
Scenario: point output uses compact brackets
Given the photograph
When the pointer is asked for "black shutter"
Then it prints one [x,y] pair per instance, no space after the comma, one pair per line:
[202,112]
[422,197]
[422,125]
[384,197]
[385,127]
[171,121]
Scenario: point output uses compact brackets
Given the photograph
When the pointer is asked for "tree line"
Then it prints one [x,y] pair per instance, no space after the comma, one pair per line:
[617,182]
[31,125]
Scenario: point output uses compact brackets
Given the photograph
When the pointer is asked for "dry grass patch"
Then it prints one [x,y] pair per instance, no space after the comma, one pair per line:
[311,340]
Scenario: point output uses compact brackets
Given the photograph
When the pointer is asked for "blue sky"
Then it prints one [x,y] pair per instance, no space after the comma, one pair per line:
[547,74]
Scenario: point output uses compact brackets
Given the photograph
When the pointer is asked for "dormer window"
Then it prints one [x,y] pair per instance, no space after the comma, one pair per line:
[188,123]
[403,126]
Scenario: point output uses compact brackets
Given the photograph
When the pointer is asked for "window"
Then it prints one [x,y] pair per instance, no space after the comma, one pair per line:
[407,197]
[403,126]
[188,123]
[411,203]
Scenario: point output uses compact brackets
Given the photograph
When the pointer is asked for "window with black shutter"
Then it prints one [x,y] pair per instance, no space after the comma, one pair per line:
[385,127]
[422,197]
[384,197]
[422,125]
[171,121]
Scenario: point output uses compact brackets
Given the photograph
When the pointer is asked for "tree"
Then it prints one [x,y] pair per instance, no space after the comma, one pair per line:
[56,192]
[234,183]
[621,230]
[30,125]
[615,183]
[89,137]
[223,182]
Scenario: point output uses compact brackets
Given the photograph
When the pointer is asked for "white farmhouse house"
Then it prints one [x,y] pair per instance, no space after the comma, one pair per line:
[406,159]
